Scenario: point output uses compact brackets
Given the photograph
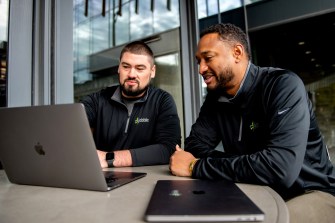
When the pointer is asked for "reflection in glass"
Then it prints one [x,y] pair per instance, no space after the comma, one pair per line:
[141,24]
[100,40]
[165,18]
[96,33]
[81,50]
[211,7]
[120,25]
[168,78]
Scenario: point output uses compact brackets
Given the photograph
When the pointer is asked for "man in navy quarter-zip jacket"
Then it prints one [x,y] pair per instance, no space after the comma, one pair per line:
[133,123]
[267,127]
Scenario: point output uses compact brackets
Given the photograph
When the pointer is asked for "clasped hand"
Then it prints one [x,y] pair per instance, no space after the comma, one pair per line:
[180,163]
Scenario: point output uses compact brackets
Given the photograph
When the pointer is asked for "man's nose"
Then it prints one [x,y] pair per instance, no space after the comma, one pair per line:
[203,67]
[132,72]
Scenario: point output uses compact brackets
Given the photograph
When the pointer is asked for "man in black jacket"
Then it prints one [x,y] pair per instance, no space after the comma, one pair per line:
[133,124]
[267,127]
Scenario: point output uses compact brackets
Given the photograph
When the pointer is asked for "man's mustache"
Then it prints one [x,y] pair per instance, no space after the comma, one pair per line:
[132,79]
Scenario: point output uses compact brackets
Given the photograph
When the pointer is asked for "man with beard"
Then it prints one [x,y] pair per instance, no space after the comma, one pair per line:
[133,123]
[266,123]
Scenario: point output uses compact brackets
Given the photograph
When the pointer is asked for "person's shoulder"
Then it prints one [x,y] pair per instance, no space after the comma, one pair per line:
[109,89]
[101,94]
[276,74]
[158,92]
[106,92]
[160,96]
[282,79]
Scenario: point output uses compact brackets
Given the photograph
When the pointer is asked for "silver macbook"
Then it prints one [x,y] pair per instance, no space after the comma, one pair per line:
[53,146]
[200,201]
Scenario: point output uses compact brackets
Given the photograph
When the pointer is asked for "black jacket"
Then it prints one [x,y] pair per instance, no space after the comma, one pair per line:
[151,131]
[269,134]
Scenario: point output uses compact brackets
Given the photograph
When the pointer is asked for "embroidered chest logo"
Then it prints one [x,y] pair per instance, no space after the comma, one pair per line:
[141,120]
[254,126]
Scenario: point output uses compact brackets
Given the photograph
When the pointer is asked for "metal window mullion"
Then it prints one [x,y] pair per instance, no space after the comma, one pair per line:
[41,54]
[53,37]
[191,80]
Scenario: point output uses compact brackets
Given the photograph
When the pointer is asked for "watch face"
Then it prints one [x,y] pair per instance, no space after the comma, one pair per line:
[109,156]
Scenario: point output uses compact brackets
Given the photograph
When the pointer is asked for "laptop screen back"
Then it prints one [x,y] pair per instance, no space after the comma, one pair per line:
[52,145]
[200,200]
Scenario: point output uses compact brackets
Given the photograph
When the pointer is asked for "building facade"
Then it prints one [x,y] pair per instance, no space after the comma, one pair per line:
[67,49]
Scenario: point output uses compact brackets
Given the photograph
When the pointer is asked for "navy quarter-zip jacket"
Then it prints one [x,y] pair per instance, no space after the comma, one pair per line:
[269,134]
[151,130]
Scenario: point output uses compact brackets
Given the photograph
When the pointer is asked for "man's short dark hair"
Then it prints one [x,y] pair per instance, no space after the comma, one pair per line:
[138,47]
[229,32]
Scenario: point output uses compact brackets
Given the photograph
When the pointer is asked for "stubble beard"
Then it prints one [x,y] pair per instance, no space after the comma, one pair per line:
[133,91]
[223,79]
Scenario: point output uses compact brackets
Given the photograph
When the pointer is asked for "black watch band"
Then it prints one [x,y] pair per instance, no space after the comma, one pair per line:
[110,158]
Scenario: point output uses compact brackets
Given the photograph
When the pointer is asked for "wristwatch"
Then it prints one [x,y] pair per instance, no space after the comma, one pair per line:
[110,159]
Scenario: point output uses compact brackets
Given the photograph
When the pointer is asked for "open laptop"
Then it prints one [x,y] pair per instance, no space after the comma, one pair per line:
[52,145]
[200,201]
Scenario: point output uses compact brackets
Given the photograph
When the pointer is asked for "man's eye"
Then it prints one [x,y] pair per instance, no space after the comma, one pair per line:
[208,59]
[140,68]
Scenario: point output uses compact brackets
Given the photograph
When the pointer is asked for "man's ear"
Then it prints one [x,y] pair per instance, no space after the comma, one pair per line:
[153,71]
[238,52]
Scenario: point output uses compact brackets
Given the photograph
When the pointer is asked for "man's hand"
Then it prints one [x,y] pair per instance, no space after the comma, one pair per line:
[122,158]
[180,162]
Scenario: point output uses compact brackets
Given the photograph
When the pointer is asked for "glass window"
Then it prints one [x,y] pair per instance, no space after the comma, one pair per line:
[96,33]
[100,37]
[94,8]
[98,40]
[141,24]
[165,16]
[202,9]
[79,12]
[168,77]
[228,5]
[211,7]
[4,6]
[324,101]
[121,26]
[81,50]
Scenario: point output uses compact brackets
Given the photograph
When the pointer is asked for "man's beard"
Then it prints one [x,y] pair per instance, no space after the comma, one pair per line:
[225,77]
[131,91]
